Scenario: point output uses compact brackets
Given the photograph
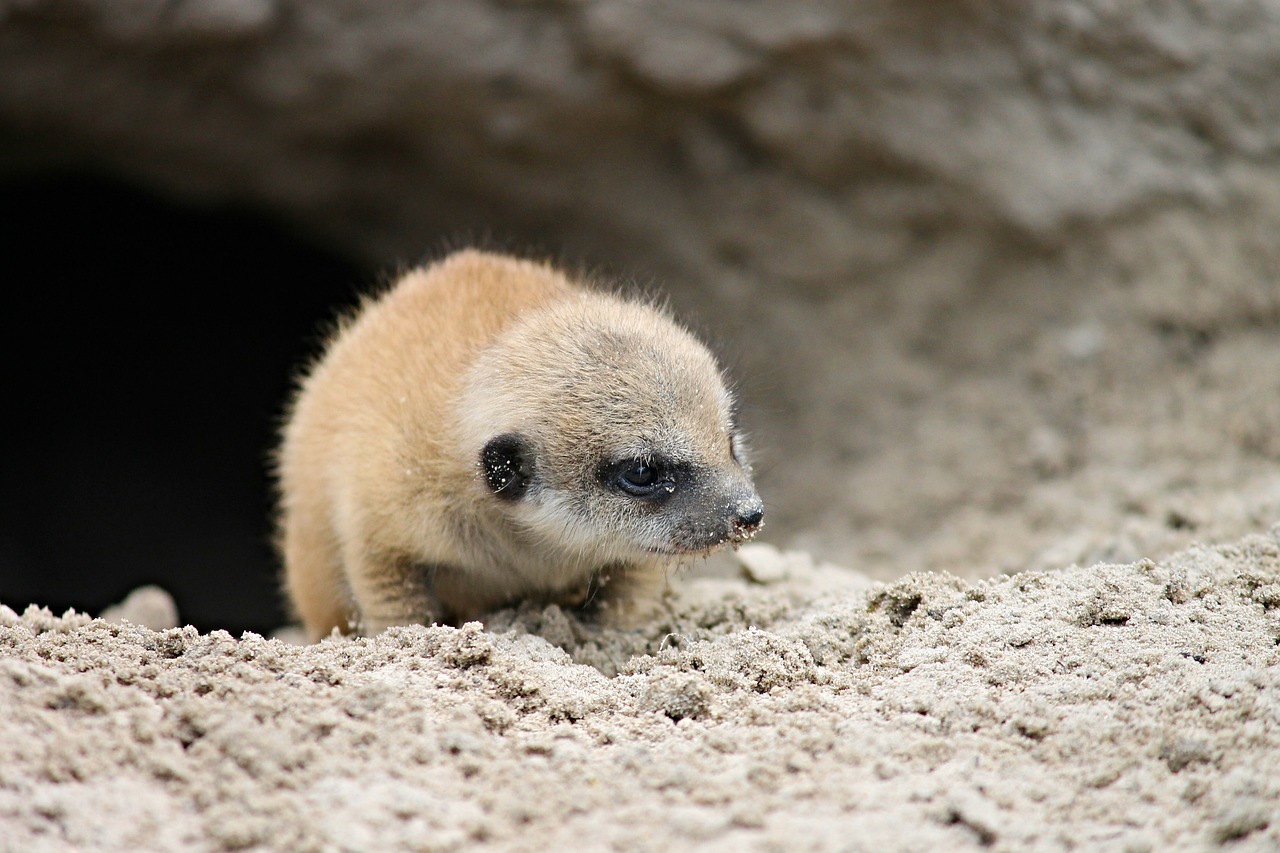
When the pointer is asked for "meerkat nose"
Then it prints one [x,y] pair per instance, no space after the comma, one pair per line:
[749,513]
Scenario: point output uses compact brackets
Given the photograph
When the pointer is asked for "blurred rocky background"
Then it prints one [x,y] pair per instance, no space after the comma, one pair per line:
[998,280]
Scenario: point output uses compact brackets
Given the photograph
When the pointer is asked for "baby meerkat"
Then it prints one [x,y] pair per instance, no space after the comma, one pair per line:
[488,431]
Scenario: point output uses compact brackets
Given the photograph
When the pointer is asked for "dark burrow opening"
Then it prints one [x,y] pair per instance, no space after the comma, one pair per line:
[149,351]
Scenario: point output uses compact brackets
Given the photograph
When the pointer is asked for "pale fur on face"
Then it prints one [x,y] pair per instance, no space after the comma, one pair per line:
[594,379]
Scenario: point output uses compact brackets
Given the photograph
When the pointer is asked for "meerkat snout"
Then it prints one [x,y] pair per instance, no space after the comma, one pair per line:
[489,431]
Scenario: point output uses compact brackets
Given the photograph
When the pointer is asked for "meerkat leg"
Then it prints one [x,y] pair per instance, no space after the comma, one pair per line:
[626,596]
[390,589]
[313,578]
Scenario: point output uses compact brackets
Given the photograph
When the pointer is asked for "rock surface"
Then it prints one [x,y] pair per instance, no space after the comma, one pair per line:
[149,606]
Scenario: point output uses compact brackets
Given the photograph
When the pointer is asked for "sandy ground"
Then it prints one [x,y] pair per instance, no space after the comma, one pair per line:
[787,707]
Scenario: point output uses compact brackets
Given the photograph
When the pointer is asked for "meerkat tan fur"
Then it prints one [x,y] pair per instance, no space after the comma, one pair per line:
[488,431]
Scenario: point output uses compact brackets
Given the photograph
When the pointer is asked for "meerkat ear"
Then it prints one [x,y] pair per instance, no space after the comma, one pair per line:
[507,461]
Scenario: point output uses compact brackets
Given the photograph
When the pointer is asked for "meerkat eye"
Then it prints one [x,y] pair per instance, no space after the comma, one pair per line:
[639,479]
[639,476]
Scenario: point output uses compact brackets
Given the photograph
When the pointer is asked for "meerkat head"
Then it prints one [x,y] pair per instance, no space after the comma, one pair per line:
[603,427]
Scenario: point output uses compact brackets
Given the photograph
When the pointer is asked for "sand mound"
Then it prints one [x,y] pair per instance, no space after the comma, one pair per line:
[1127,707]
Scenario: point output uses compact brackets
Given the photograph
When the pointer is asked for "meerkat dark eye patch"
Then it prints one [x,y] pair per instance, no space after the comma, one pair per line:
[507,461]
[639,478]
